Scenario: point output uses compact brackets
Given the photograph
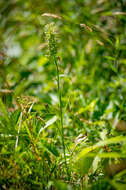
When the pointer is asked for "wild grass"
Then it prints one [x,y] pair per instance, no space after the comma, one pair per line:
[62,95]
[52,45]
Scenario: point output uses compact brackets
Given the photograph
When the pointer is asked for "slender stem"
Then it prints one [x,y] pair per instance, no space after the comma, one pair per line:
[61,114]
[17,138]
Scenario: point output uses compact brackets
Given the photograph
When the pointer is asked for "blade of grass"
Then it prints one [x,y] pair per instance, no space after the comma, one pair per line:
[112,140]
[48,123]
[4,111]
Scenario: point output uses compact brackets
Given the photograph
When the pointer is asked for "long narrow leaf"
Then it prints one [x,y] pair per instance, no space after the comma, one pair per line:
[3,109]
[48,123]
[112,140]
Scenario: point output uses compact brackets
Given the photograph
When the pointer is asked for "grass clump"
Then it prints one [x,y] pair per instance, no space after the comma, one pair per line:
[62,95]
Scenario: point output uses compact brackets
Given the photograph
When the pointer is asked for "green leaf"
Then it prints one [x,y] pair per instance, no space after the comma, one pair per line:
[3,109]
[51,149]
[48,123]
[112,140]
[62,186]
[84,165]
[89,107]
[107,155]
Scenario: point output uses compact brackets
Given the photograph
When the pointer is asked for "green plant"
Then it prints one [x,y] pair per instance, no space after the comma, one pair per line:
[52,46]
[62,116]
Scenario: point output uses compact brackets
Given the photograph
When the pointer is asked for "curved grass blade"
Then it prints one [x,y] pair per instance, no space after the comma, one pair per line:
[48,123]
[112,140]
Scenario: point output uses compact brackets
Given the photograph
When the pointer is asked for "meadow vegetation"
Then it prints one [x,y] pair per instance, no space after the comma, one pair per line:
[63,95]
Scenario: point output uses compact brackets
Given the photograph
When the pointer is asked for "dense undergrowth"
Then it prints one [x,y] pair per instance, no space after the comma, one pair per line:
[62,94]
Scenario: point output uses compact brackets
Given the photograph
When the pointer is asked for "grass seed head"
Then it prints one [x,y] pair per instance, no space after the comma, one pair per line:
[50,34]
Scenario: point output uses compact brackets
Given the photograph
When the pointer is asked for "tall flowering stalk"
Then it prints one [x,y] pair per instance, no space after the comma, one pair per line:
[52,47]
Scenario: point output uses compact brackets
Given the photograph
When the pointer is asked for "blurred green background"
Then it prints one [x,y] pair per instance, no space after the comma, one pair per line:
[91,46]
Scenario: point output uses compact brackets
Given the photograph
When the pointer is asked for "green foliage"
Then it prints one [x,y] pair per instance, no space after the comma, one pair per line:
[62,94]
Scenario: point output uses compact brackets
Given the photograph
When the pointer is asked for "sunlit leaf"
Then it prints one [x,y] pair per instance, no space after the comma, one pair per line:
[48,123]
[112,140]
